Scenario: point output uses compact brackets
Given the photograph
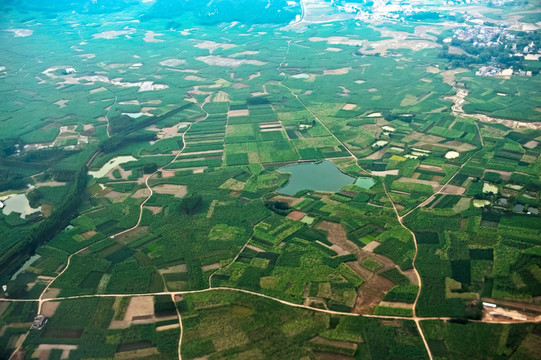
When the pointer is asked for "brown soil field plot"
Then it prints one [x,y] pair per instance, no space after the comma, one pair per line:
[43,351]
[168,174]
[349,107]
[374,287]
[435,186]
[377,155]
[291,201]
[155,209]
[46,210]
[212,45]
[174,269]
[210,267]
[49,308]
[296,215]
[335,343]
[51,293]
[370,247]
[3,306]
[255,248]
[269,125]
[453,190]
[431,168]
[141,193]
[148,353]
[401,305]
[340,71]
[167,327]
[140,309]
[176,190]
[113,195]
[235,113]
[132,235]
[239,86]
[505,174]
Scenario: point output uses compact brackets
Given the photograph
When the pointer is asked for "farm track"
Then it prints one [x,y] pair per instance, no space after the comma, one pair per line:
[400,219]
[41,299]
[457,111]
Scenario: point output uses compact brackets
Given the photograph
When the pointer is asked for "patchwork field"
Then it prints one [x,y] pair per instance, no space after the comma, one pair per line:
[144,150]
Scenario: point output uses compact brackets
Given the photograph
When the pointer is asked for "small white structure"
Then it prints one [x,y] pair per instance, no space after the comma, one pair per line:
[490,305]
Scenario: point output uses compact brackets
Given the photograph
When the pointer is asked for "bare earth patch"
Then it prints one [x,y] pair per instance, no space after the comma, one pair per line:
[88,234]
[193,78]
[340,71]
[140,310]
[49,308]
[349,107]
[370,247]
[45,349]
[167,327]
[113,195]
[174,269]
[226,61]
[176,190]
[401,305]
[210,267]
[150,36]
[296,215]
[235,113]
[289,200]
[61,103]
[155,209]
[211,45]
[255,248]
[168,174]
[173,62]
[113,34]
[147,353]
[141,193]
[51,293]
[337,40]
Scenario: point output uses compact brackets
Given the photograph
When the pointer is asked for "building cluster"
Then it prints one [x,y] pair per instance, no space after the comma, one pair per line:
[493,70]
[490,70]
[483,36]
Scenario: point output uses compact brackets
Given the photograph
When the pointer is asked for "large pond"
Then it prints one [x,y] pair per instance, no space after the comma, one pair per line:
[18,203]
[322,176]
[110,165]
[26,265]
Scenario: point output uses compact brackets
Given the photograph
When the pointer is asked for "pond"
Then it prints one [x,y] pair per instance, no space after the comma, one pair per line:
[18,203]
[452,155]
[489,188]
[26,265]
[110,165]
[364,182]
[322,176]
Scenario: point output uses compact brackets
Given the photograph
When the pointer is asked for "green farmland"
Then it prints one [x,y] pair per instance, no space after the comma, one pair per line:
[152,206]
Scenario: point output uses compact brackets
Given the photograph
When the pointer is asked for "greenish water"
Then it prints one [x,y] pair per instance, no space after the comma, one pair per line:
[26,265]
[20,204]
[323,176]
[365,183]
